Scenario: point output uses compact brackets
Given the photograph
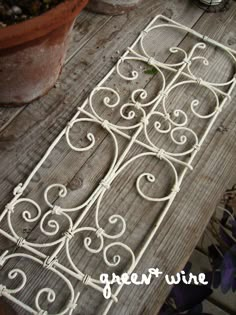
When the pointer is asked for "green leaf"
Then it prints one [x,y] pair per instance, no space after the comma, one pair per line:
[151,71]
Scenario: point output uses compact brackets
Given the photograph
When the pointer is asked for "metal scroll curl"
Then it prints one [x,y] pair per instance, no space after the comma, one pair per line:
[43,294]
[140,119]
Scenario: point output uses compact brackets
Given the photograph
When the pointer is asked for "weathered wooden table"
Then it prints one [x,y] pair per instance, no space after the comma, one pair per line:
[27,132]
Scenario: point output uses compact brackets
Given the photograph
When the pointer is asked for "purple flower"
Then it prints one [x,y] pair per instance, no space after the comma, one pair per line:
[228,270]
[233,227]
[187,296]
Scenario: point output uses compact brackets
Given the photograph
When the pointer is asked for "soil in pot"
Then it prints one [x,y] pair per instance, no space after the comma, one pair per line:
[15,11]
[113,7]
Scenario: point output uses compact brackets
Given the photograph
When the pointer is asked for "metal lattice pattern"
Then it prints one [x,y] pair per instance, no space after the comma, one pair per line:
[165,123]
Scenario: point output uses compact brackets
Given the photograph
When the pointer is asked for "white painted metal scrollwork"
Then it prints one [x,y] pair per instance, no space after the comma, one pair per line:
[139,114]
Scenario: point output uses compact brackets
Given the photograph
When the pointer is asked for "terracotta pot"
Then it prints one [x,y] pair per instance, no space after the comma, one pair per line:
[32,53]
[112,7]
[5,308]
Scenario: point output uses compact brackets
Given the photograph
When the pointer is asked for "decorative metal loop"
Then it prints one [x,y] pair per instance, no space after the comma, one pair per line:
[163,94]
[144,33]
[160,154]
[70,124]
[137,105]
[175,189]
[187,61]
[197,147]
[218,109]
[144,118]
[90,137]
[57,210]
[72,306]
[10,207]
[229,98]
[86,279]
[20,242]
[151,61]
[18,190]
[49,262]
[205,38]
[3,258]
[105,184]
[167,116]
[99,232]
[69,234]
[199,81]
[105,124]
[2,289]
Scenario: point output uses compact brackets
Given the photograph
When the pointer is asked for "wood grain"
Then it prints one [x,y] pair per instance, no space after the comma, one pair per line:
[26,137]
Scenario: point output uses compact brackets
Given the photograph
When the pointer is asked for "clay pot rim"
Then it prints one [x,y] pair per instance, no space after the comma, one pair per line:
[41,25]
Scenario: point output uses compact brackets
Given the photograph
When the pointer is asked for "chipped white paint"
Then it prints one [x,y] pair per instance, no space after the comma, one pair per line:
[147,109]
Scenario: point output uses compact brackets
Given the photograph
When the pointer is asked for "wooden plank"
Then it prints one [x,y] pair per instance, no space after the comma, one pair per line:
[202,190]
[7,115]
[86,26]
[211,308]
[188,20]
[137,304]
[186,222]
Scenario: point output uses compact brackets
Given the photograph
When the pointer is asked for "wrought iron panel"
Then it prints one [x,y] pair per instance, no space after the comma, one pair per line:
[136,113]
